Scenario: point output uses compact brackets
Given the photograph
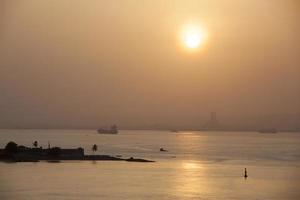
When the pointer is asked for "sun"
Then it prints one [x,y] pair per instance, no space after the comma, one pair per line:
[192,40]
[193,36]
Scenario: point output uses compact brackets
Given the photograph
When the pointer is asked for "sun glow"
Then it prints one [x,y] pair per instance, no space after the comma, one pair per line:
[192,40]
[193,36]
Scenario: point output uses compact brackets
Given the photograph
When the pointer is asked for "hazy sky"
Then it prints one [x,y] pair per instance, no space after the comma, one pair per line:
[87,63]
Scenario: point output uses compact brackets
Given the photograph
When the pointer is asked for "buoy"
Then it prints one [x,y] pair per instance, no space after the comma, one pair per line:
[246,175]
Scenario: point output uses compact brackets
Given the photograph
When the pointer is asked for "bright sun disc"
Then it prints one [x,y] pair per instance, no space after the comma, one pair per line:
[192,36]
[192,40]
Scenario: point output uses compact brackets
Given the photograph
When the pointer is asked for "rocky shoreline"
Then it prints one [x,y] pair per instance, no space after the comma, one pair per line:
[86,158]
[18,153]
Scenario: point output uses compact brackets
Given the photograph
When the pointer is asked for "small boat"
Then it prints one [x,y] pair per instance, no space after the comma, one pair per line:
[162,149]
[268,130]
[174,131]
[112,130]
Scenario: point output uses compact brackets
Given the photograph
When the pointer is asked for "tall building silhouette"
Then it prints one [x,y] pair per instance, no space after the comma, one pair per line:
[213,123]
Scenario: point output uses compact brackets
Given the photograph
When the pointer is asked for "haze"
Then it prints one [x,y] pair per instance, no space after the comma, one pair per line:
[82,64]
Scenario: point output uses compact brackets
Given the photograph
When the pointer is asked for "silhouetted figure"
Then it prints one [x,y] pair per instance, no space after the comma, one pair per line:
[94,148]
[246,175]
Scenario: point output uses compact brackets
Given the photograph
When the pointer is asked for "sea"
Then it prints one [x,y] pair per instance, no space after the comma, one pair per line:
[197,165]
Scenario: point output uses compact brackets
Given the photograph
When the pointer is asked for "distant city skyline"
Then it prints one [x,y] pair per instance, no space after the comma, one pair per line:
[283,122]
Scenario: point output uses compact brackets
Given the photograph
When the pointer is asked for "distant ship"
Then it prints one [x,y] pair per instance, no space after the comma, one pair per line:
[268,130]
[112,130]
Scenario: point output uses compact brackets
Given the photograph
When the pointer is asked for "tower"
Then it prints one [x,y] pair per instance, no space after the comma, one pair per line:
[213,123]
[213,117]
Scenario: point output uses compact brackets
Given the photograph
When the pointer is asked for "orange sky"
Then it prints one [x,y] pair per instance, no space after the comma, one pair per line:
[96,62]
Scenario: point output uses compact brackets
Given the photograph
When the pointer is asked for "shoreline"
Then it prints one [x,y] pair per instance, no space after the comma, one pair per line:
[19,153]
[85,158]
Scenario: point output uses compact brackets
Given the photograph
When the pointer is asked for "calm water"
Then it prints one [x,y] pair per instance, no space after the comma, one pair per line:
[199,165]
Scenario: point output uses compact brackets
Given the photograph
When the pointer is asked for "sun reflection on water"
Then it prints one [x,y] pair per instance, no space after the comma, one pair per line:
[189,179]
[191,165]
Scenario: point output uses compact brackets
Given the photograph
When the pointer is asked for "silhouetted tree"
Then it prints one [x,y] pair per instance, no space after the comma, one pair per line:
[35,144]
[55,151]
[94,148]
[11,148]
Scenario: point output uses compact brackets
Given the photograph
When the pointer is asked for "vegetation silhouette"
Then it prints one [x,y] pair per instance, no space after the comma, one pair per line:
[35,144]
[11,148]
